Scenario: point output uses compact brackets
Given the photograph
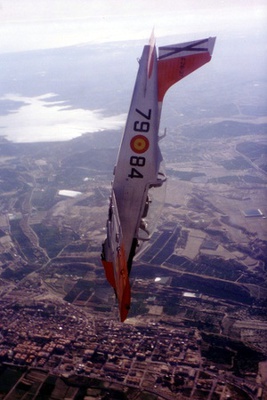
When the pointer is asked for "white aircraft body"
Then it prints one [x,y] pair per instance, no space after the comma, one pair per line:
[139,173]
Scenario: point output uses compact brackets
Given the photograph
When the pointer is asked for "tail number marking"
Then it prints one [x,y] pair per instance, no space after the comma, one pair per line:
[139,143]
[136,162]
[142,126]
[146,116]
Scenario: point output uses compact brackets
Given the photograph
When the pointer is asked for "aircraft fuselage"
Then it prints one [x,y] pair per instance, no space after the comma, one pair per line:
[138,174]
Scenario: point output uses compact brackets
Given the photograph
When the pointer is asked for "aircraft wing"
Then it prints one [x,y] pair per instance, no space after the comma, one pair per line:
[114,260]
[178,60]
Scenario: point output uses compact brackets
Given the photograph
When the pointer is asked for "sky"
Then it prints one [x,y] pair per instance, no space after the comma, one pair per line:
[36,24]
[27,25]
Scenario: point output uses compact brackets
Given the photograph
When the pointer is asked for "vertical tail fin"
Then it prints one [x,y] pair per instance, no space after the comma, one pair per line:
[179,60]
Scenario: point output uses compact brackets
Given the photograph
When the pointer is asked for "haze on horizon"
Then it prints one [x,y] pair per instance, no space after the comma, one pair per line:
[31,25]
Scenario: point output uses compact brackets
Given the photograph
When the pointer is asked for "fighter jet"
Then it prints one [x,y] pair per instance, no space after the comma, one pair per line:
[139,177]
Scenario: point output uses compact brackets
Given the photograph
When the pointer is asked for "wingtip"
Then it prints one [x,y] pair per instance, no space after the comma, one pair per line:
[211,44]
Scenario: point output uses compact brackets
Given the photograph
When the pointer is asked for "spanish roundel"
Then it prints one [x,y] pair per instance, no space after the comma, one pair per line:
[139,144]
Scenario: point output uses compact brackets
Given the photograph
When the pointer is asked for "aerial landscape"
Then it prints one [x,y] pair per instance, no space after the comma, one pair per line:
[197,325]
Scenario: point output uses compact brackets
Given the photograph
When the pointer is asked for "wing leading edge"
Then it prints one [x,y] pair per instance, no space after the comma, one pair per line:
[138,173]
